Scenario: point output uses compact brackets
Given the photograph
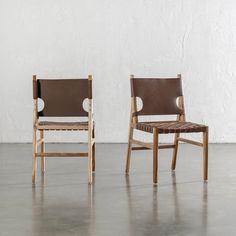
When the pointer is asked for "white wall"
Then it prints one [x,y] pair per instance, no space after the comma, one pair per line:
[112,39]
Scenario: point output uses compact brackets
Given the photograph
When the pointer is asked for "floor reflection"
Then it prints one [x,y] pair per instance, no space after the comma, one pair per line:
[57,213]
[157,210]
[205,209]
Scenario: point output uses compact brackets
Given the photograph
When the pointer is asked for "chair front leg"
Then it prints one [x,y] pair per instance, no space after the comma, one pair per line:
[90,148]
[131,131]
[175,151]
[34,162]
[42,149]
[205,155]
[155,155]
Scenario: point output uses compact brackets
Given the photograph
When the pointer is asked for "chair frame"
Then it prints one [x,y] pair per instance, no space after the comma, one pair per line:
[155,146]
[41,141]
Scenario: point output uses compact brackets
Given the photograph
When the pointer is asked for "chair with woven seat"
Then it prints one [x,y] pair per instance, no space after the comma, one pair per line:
[159,97]
[62,98]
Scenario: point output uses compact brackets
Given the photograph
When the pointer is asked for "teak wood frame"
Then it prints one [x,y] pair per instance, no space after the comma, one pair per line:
[155,146]
[41,141]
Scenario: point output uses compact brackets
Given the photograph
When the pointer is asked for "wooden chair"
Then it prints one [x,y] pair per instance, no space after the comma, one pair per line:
[62,98]
[159,97]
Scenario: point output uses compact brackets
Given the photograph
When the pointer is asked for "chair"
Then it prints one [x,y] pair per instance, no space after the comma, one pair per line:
[62,98]
[159,97]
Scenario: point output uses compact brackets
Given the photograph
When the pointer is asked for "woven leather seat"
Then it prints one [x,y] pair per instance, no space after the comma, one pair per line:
[170,127]
[51,125]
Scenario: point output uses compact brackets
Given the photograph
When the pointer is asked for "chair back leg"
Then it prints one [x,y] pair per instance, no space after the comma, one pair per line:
[155,155]
[205,155]
[93,150]
[34,163]
[90,158]
[42,149]
[90,147]
[90,177]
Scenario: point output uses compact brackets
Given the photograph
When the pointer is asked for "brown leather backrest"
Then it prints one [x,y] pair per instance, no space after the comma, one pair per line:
[62,97]
[158,95]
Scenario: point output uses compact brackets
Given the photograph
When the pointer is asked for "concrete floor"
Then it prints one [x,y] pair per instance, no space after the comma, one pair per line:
[63,204]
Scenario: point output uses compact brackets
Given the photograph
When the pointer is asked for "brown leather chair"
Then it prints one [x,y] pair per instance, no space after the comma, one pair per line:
[62,98]
[159,97]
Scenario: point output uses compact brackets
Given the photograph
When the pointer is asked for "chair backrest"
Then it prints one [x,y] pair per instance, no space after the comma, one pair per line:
[159,96]
[62,97]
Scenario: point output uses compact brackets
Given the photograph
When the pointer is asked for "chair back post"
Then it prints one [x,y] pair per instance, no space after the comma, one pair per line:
[35,98]
[133,115]
[181,102]
[90,98]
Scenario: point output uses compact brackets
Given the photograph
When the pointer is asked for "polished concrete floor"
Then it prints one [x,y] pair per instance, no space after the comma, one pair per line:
[62,203]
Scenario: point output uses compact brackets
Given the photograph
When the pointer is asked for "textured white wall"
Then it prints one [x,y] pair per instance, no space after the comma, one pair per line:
[112,39]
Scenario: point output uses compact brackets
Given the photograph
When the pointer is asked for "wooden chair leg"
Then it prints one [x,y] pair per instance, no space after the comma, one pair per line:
[131,131]
[175,151]
[205,155]
[34,164]
[42,149]
[155,155]
[90,159]
[93,151]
